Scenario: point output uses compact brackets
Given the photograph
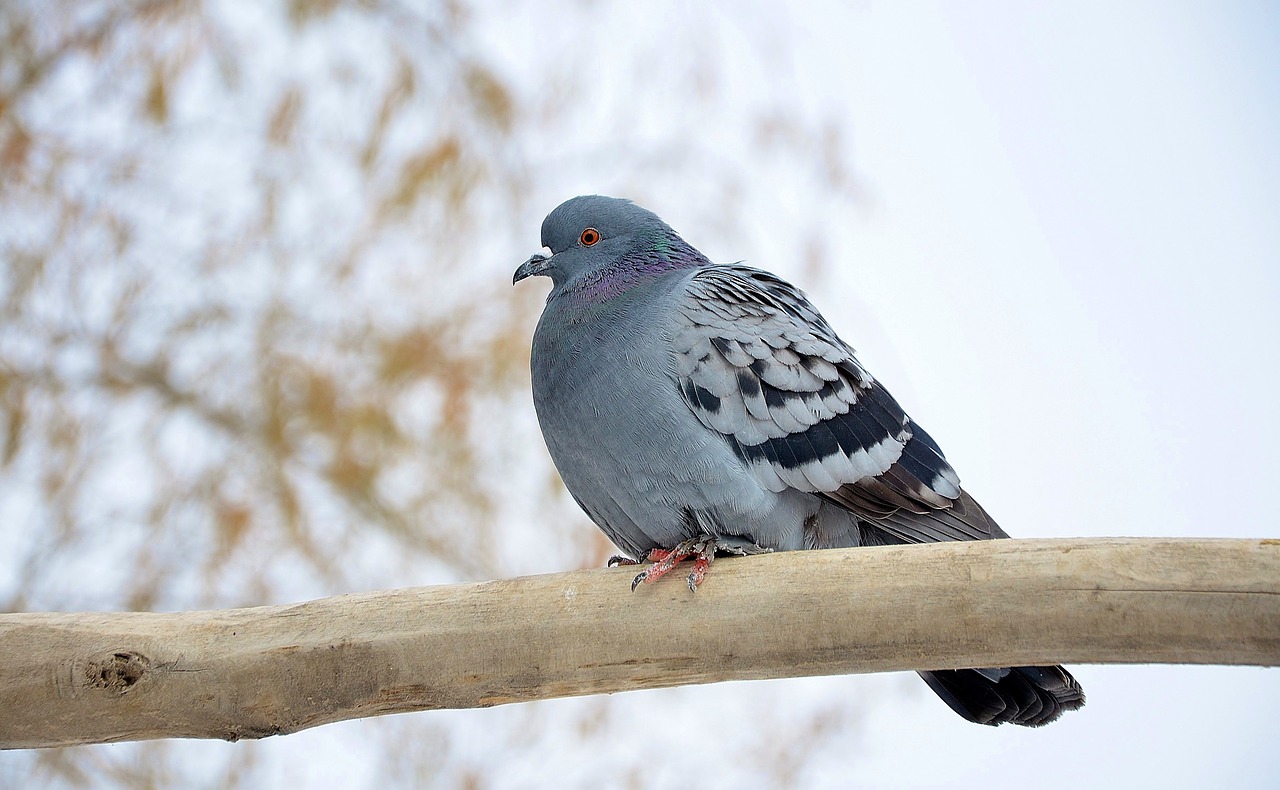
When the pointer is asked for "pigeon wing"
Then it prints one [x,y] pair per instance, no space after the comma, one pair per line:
[758,364]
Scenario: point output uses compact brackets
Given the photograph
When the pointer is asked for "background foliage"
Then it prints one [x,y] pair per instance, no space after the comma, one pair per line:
[258,341]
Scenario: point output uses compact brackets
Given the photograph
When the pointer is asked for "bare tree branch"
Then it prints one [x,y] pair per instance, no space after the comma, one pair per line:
[248,673]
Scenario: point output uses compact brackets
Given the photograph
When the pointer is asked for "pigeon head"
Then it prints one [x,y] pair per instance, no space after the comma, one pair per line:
[605,245]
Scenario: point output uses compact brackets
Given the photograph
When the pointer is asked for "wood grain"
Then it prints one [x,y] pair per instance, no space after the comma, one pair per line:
[248,673]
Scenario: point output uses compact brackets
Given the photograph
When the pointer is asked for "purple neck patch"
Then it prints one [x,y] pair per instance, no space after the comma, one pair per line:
[668,254]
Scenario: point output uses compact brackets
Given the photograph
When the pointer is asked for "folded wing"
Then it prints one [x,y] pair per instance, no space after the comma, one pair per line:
[759,365]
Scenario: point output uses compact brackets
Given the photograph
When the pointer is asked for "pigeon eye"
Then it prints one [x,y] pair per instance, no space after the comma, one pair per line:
[589,236]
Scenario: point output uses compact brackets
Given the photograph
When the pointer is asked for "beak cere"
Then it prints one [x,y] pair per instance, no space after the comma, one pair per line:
[537,264]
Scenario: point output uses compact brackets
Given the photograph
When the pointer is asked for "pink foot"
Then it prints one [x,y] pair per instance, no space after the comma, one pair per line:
[702,549]
[699,572]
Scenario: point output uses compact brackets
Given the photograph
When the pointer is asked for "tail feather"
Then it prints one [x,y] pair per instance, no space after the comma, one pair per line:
[1027,696]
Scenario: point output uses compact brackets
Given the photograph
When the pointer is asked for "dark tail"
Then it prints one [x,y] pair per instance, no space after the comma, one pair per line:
[1029,696]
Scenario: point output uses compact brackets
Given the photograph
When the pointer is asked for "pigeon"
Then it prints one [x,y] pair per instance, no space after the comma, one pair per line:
[694,408]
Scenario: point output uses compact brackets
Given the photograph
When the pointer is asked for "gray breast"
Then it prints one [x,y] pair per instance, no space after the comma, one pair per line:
[625,443]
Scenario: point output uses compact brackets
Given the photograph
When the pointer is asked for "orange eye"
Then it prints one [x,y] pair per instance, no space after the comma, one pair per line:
[589,236]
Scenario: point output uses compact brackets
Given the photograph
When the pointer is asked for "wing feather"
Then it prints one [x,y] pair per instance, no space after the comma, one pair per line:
[759,365]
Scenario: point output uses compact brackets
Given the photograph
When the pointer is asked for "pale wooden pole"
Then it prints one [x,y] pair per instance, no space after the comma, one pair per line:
[248,673]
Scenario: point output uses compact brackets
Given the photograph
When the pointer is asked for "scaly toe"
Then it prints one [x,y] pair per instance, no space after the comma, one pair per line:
[705,554]
[665,559]
[702,549]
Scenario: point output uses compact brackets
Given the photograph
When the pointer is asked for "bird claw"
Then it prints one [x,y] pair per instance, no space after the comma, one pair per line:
[702,549]
[618,560]
[699,571]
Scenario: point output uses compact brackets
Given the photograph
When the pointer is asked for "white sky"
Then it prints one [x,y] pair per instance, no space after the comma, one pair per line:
[1073,262]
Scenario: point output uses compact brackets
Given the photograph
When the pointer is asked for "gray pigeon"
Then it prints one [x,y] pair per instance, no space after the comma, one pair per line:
[693,407]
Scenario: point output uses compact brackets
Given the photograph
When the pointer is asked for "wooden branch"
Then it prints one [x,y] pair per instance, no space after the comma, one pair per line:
[248,673]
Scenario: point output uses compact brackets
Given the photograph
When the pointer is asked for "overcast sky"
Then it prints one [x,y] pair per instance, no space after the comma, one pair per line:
[1073,266]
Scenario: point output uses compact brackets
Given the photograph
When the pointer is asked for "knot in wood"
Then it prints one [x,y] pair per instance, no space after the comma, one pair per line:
[118,671]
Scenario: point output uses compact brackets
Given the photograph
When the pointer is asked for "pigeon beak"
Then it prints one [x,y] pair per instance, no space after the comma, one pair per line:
[537,264]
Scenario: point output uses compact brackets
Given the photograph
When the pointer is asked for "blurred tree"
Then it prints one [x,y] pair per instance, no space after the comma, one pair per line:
[257,340]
